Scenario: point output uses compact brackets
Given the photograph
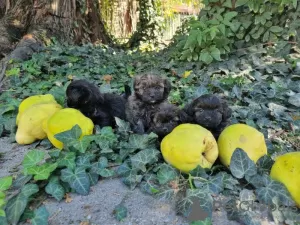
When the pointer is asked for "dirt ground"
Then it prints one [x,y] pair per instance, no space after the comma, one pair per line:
[97,207]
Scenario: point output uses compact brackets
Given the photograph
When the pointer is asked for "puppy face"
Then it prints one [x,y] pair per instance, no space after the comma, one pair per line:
[208,111]
[83,95]
[151,89]
[166,119]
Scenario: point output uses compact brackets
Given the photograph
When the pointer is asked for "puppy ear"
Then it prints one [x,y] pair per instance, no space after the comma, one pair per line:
[167,88]
[227,112]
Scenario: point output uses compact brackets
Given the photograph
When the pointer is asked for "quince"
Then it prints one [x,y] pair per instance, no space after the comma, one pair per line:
[31,120]
[286,170]
[64,120]
[244,137]
[32,100]
[189,145]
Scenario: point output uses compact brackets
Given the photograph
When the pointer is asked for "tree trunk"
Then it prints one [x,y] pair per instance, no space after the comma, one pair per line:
[63,19]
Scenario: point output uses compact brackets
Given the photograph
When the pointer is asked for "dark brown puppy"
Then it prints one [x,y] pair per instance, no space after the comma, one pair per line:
[166,118]
[210,112]
[149,92]
[101,108]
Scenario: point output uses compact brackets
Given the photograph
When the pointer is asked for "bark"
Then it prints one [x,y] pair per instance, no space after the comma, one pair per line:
[62,19]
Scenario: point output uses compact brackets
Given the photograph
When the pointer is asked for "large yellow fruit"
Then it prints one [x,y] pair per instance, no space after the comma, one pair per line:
[30,122]
[64,120]
[241,136]
[32,100]
[188,146]
[286,170]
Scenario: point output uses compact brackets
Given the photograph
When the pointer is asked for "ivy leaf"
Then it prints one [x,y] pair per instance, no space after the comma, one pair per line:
[214,184]
[166,173]
[32,158]
[3,220]
[207,221]
[78,180]
[106,139]
[144,157]
[15,208]
[128,175]
[68,136]
[137,141]
[21,180]
[42,172]
[29,189]
[67,159]
[215,53]
[122,126]
[120,212]
[196,199]
[93,178]
[101,164]
[83,161]
[54,153]
[274,189]
[55,190]
[241,164]
[264,163]
[41,216]
[5,183]
[82,144]
[106,172]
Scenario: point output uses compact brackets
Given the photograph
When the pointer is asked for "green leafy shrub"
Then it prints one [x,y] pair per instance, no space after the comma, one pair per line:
[227,25]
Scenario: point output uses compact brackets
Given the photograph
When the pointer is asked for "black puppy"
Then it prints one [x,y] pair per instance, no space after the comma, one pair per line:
[101,108]
[210,112]
[165,118]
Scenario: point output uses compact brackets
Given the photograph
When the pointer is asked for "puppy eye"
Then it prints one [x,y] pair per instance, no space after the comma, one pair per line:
[199,110]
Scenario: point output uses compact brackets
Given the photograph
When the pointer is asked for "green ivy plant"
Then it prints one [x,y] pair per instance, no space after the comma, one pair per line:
[227,25]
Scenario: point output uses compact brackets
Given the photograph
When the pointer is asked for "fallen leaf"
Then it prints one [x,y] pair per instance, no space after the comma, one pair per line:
[107,78]
[187,73]
[84,223]
[68,198]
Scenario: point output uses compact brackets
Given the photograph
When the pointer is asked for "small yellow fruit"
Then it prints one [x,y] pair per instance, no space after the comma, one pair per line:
[64,120]
[32,100]
[189,145]
[30,122]
[286,170]
[244,137]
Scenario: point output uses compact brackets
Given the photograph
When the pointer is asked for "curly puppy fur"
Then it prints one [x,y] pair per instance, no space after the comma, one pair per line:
[101,108]
[210,112]
[166,118]
[149,91]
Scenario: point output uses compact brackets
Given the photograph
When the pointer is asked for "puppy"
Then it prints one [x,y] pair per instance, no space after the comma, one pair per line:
[101,108]
[166,118]
[149,92]
[210,112]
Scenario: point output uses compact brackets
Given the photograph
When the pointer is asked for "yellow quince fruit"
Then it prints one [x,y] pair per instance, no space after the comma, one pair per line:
[286,170]
[32,100]
[244,137]
[30,122]
[189,145]
[64,120]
